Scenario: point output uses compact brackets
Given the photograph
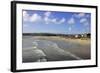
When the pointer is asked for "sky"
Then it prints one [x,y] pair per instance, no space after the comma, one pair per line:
[36,21]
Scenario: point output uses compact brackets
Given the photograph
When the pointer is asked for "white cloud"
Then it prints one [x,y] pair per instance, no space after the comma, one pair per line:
[62,20]
[35,17]
[54,20]
[47,20]
[79,15]
[46,17]
[25,16]
[83,20]
[71,21]
[24,13]
[59,21]
[47,14]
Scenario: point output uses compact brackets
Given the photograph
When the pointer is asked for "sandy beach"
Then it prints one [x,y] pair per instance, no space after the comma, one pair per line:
[56,48]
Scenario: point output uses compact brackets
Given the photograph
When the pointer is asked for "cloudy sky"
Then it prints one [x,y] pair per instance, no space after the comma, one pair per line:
[35,21]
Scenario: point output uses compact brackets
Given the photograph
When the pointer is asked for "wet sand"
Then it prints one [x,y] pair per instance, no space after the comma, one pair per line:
[56,48]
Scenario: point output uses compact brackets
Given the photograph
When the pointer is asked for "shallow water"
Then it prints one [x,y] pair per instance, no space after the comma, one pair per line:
[55,50]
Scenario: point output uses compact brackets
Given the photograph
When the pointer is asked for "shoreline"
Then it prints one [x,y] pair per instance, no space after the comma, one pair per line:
[74,40]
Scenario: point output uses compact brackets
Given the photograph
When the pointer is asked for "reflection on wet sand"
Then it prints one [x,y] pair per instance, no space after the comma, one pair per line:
[43,49]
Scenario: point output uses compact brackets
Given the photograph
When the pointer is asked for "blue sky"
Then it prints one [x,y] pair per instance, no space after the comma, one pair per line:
[35,21]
